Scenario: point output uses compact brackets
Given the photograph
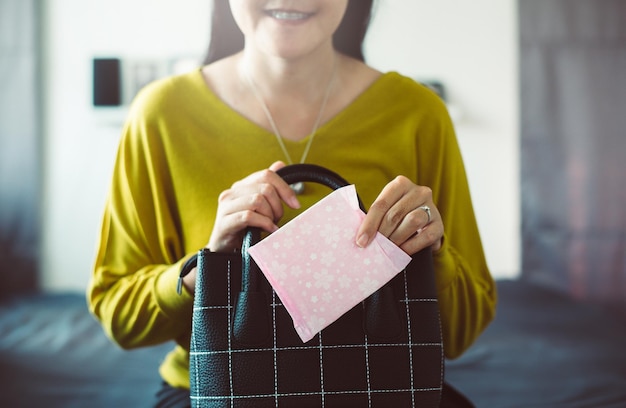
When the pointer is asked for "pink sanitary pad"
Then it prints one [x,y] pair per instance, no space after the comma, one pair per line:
[316,268]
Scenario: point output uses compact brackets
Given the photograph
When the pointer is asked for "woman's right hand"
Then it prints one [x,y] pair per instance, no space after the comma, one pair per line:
[255,201]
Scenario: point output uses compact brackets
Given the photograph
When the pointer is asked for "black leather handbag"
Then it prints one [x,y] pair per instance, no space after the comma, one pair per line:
[385,352]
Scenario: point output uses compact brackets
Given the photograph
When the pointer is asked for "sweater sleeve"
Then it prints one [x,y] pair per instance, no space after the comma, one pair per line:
[467,293]
[133,288]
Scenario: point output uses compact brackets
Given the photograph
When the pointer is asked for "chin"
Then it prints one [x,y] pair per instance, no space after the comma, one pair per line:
[294,49]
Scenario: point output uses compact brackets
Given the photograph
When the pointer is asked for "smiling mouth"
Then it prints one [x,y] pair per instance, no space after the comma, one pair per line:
[288,15]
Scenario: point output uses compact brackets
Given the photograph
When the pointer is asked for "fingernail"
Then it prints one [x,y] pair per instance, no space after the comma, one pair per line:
[362,241]
[295,204]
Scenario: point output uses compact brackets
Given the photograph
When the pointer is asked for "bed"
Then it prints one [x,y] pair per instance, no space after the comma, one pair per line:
[543,350]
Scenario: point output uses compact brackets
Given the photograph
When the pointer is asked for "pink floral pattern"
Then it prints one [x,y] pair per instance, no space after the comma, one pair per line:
[316,268]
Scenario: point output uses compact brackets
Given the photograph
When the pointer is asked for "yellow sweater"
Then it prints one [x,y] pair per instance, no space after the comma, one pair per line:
[182,146]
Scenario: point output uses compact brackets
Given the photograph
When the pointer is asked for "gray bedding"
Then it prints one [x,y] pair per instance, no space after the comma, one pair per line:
[543,350]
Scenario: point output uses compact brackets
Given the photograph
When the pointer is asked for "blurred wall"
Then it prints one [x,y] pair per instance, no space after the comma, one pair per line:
[80,140]
[470,46]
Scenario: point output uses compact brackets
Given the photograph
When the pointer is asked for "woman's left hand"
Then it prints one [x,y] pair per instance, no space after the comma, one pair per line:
[405,213]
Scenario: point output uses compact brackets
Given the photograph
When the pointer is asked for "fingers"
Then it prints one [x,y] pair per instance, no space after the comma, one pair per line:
[261,199]
[255,201]
[387,207]
[429,236]
[399,214]
[277,165]
[284,191]
[270,184]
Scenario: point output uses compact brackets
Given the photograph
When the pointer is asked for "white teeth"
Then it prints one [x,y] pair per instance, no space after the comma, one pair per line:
[288,15]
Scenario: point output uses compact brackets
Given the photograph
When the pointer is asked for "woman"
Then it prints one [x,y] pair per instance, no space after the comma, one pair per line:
[197,163]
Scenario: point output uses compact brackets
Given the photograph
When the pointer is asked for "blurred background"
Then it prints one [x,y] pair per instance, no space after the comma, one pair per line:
[536,90]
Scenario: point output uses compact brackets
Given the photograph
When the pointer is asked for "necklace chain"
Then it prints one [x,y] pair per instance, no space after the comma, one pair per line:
[270,119]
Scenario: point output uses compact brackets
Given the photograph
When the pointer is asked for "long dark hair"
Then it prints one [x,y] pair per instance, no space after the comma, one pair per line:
[227,39]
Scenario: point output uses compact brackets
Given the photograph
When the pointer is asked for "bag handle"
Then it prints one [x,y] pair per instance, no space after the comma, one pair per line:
[291,174]
[251,320]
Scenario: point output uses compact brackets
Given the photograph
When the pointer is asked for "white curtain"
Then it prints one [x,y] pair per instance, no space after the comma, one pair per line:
[573,110]
[20,145]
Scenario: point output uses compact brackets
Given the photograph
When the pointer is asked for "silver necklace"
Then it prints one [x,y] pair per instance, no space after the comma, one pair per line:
[298,188]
